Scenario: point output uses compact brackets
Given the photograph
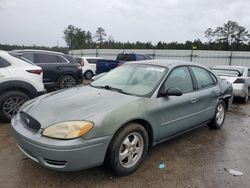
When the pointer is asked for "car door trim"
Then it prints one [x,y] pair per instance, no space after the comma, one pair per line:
[179,119]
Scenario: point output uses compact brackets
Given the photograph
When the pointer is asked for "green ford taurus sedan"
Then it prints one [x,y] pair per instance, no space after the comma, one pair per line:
[120,115]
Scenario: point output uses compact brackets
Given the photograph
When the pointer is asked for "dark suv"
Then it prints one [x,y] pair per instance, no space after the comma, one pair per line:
[59,70]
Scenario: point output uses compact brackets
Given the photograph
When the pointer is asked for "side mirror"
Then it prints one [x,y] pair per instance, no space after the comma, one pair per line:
[172,92]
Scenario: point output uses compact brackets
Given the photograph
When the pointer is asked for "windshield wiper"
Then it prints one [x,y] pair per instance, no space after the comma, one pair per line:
[107,87]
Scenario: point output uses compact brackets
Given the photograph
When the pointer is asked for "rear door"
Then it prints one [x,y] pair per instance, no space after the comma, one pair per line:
[208,92]
[52,65]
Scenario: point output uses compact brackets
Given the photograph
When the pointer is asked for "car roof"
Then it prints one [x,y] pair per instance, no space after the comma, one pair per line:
[33,50]
[165,62]
[89,57]
[230,67]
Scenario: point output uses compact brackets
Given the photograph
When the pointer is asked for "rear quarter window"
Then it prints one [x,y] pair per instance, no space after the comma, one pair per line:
[4,63]
[92,61]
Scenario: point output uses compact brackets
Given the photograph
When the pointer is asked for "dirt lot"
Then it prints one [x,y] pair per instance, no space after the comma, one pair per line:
[196,159]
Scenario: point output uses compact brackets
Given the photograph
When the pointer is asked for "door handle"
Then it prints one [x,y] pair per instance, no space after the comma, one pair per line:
[194,100]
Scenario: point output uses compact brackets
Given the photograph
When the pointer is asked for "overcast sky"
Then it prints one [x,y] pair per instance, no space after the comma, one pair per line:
[41,22]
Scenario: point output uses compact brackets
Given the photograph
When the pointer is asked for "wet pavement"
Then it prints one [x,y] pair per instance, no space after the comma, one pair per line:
[196,159]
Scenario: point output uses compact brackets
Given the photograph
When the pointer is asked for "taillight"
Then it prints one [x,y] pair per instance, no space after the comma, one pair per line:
[79,67]
[82,62]
[239,81]
[119,64]
[35,71]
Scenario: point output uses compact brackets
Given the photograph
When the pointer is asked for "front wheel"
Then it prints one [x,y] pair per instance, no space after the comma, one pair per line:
[128,149]
[219,117]
[10,102]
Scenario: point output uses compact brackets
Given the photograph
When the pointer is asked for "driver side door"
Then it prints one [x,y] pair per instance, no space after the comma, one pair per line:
[177,113]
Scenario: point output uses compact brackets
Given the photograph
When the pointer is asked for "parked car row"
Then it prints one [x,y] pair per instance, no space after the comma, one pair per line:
[60,70]
[22,79]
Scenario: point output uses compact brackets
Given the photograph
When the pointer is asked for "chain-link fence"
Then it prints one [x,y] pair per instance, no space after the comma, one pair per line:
[205,57]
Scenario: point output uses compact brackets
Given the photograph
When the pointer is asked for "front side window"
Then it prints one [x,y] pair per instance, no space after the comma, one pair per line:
[3,63]
[44,58]
[203,78]
[180,78]
[248,73]
[137,79]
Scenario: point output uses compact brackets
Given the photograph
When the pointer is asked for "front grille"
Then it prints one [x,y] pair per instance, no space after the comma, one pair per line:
[30,122]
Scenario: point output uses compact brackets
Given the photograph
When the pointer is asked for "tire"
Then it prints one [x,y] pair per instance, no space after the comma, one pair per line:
[67,81]
[219,116]
[124,156]
[88,75]
[10,102]
[245,99]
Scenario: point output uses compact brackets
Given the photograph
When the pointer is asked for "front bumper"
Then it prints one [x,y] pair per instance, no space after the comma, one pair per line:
[60,155]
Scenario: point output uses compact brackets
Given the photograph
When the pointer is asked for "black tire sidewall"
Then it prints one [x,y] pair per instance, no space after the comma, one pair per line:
[6,95]
[61,79]
[114,148]
[85,74]
[214,124]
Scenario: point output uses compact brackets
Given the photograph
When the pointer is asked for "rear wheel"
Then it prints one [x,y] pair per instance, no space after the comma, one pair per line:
[10,102]
[128,149]
[219,117]
[67,81]
[245,99]
[88,75]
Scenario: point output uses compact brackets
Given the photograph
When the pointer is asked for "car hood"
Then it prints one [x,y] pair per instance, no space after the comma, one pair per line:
[80,103]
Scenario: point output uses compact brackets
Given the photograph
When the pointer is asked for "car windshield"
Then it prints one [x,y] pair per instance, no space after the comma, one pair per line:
[135,79]
[228,72]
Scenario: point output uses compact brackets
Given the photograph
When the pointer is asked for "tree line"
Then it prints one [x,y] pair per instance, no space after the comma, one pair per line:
[230,36]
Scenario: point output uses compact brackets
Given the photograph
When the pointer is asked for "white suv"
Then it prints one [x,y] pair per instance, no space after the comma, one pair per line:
[19,82]
[88,65]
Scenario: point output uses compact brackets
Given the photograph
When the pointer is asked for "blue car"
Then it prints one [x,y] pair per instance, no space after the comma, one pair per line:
[107,65]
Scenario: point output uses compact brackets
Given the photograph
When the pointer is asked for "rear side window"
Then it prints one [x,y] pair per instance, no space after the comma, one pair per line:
[180,78]
[45,58]
[3,63]
[203,78]
[28,56]
[92,61]
[60,59]
[248,73]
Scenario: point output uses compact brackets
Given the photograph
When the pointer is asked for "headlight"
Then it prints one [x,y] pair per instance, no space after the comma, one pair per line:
[68,130]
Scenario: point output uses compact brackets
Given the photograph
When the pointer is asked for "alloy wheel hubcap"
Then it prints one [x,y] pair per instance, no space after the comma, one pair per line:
[12,105]
[131,150]
[88,75]
[220,114]
[68,81]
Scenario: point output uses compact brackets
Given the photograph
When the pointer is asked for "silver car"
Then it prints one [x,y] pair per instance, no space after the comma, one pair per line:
[120,115]
[238,76]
